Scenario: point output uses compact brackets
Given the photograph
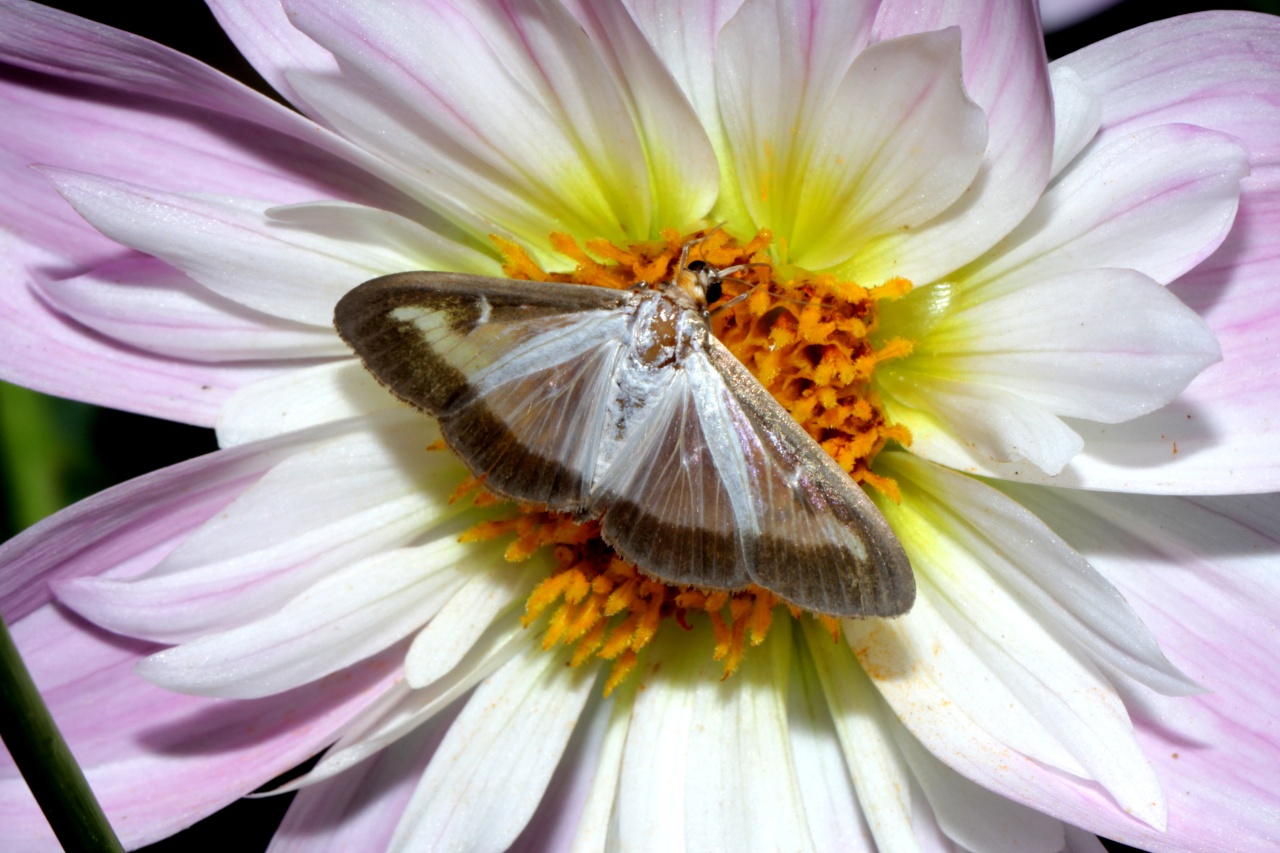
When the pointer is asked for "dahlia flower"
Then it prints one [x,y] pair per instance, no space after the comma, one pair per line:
[1030,307]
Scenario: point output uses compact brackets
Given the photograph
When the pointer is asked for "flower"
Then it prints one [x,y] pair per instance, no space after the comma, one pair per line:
[308,578]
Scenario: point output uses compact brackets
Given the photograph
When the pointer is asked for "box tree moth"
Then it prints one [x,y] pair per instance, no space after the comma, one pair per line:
[621,405]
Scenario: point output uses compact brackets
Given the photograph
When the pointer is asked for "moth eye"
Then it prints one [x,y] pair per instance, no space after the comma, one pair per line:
[713,291]
[696,266]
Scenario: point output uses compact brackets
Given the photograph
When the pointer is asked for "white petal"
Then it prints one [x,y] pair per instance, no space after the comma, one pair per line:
[357,811]
[513,118]
[740,788]
[901,144]
[592,832]
[491,769]
[880,775]
[835,817]
[961,607]
[1158,201]
[973,817]
[985,422]
[368,226]
[350,614]
[683,169]
[403,709]
[1104,345]
[1047,576]
[382,489]
[302,398]
[647,816]
[1077,114]
[231,247]
[148,304]
[778,65]
[458,626]
[554,827]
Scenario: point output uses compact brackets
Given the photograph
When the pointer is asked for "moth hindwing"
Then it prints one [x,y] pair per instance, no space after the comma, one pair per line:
[622,405]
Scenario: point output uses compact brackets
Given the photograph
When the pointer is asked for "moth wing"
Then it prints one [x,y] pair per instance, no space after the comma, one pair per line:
[516,372]
[663,502]
[815,538]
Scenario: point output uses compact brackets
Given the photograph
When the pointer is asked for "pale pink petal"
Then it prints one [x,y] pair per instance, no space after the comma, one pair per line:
[1218,436]
[504,117]
[493,766]
[684,34]
[1217,70]
[1159,200]
[352,613]
[1201,573]
[972,816]
[1004,72]
[357,811]
[182,120]
[159,761]
[1077,113]
[133,525]
[231,246]
[382,490]
[144,302]
[263,35]
[44,350]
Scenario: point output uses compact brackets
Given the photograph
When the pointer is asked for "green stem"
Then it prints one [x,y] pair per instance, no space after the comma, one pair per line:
[45,761]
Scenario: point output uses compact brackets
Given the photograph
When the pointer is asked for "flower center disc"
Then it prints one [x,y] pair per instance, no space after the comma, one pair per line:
[808,339]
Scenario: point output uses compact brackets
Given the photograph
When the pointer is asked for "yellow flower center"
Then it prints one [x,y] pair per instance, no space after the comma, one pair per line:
[808,339]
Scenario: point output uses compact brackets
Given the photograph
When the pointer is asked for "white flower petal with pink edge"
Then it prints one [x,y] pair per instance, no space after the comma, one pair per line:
[1217,436]
[492,767]
[463,620]
[989,380]
[1195,569]
[1158,201]
[350,614]
[261,551]
[126,530]
[1002,50]
[970,611]
[357,812]
[187,755]
[875,159]
[148,304]
[502,118]
[402,709]
[1077,114]
[251,252]
[302,398]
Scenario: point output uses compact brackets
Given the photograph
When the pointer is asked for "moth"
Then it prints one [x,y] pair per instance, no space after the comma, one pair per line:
[621,405]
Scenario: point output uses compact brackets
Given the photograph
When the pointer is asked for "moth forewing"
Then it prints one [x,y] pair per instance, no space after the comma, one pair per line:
[620,404]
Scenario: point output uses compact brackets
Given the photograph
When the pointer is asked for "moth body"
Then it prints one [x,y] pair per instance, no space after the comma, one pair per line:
[622,406]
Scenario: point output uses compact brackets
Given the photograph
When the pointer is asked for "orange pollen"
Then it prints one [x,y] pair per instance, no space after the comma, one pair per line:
[808,340]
